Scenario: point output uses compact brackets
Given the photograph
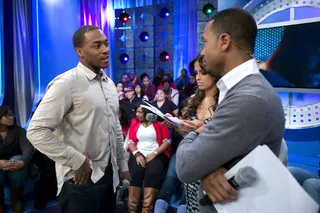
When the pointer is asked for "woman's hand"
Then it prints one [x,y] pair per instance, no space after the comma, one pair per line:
[150,157]
[167,123]
[14,165]
[188,126]
[141,161]
[3,164]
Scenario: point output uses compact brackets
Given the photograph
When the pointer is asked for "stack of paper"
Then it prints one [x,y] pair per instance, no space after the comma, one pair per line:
[173,120]
[275,191]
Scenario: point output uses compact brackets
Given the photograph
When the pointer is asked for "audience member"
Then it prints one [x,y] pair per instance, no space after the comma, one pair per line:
[171,182]
[139,92]
[171,94]
[76,124]
[125,79]
[15,155]
[157,80]
[120,90]
[182,80]
[309,182]
[130,101]
[133,78]
[167,77]
[190,88]
[148,89]
[163,104]
[150,145]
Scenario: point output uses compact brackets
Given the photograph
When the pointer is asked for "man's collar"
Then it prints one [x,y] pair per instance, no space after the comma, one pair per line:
[90,74]
[238,73]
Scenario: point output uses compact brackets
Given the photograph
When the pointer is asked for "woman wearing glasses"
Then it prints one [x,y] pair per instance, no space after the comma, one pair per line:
[15,154]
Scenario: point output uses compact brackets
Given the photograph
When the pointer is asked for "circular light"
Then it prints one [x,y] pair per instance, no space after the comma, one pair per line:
[208,9]
[164,56]
[144,36]
[124,17]
[124,58]
[164,13]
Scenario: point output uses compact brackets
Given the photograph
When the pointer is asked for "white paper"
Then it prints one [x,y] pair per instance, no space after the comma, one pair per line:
[275,191]
[173,120]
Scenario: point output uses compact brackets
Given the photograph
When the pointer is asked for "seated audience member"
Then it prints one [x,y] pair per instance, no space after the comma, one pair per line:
[148,89]
[171,94]
[182,80]
[157,80]
[120,90]
[171,182]
[149,144]
[309,182]
[139,92]
[167,77]
[133,78]
[190,88]
[15,155]
[125,79]
[164,105]
[124,121]
[130,101]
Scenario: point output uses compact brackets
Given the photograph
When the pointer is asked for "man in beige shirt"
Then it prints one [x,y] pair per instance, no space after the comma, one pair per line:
[76,125]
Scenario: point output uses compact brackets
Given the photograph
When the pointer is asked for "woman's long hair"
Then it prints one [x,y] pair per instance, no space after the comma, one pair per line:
[195,101]
[141,91]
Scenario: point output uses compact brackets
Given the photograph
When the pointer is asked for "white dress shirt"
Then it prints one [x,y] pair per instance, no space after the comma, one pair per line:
[78,116]
[235,76]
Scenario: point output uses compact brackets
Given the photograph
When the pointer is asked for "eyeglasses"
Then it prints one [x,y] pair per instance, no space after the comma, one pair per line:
[9,115]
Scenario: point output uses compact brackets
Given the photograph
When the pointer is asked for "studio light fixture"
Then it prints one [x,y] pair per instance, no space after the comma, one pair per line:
[124,58]
[144,36]
[164,56]
[164,13]
[208,9]
[124,17]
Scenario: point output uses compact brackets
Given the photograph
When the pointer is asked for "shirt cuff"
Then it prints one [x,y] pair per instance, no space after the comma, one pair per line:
[123,166]
[76,160]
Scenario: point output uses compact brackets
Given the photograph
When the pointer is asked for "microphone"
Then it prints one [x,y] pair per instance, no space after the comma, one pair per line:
[151,117]
[125,184]
[245,177]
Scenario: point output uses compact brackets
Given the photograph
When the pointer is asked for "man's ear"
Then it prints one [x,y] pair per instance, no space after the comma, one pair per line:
[225,41]
[79,52]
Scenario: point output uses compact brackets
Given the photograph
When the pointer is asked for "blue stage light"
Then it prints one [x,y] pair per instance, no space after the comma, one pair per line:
[164,13]
[124,58]
[144,36]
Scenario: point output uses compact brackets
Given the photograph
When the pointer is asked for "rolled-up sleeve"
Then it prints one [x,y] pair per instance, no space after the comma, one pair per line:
[46,119]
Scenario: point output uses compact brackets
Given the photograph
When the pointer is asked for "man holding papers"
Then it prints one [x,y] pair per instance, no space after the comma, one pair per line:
[249,113]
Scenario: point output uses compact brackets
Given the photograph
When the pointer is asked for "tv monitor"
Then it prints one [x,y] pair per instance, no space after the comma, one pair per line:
[289,56]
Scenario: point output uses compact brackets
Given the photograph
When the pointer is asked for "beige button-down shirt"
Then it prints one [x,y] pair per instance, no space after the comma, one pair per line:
[78,116]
